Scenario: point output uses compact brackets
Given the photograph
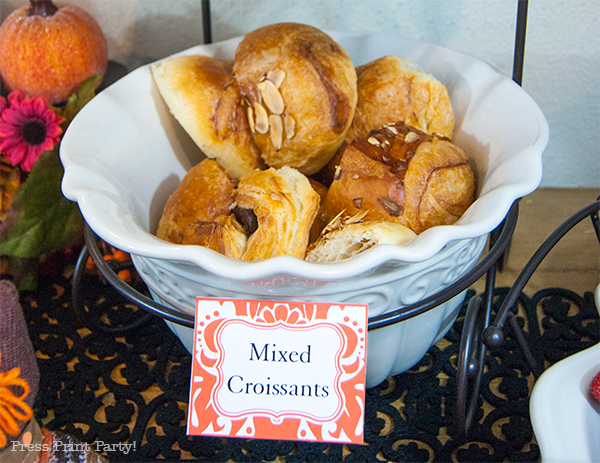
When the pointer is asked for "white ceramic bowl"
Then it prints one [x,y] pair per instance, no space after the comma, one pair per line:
[124,154]
[564,415]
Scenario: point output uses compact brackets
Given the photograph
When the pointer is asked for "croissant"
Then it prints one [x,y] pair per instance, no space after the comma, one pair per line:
[205,193]
[403,175]
[392,89]
[345,238]
[300,86]
[282,205]
[224,235]
[204,97]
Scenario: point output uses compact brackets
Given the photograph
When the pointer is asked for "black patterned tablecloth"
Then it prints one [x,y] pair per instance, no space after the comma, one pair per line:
[111,373]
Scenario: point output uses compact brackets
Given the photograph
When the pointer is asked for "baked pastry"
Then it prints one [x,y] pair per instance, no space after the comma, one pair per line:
[205,193]
[277,208]
[347,238]
[393,89]
[224,235]
[321,189]
[203,96]
[300,87]
[403,175]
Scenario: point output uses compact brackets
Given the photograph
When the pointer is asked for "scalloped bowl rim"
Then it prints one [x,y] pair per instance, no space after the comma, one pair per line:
[135,239]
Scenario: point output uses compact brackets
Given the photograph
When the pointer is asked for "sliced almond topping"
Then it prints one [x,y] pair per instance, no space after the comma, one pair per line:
[334,223]
[276,131]
[358,202]
[338,173]
[356,217]
[276,77]
[393,208]
[262,119]
[391,128]
[261,91]
[250,118]
[373,141]
[271,97]
[355,177]
[290,126]
[410,137]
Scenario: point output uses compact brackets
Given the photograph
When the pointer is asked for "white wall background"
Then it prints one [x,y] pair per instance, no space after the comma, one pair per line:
[562,56]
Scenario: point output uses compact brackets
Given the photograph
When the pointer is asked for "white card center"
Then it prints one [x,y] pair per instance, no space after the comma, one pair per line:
[281,370]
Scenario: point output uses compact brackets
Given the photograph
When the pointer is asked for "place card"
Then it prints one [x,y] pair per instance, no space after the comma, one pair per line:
[283,370]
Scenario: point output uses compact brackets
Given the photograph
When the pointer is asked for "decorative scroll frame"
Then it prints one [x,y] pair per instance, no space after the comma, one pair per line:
[346,325]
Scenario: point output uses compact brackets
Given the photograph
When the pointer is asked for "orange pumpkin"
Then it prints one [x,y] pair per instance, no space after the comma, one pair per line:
[48,50]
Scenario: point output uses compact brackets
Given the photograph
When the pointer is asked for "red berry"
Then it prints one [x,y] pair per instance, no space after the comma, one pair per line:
[595,386]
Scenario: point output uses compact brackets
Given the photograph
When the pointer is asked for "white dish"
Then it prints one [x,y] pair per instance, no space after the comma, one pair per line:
[564,414]
[124,154]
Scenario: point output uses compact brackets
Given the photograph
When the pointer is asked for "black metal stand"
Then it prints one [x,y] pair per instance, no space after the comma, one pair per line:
[479,335]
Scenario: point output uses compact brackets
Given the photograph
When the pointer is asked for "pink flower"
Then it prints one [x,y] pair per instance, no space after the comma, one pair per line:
[28,127]
[3,104]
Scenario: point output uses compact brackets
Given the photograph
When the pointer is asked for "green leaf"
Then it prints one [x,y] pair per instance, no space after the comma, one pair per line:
[41,219]
[85,92]
[24,273]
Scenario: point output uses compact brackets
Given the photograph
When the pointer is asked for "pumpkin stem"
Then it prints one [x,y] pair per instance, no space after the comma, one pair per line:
[41,8]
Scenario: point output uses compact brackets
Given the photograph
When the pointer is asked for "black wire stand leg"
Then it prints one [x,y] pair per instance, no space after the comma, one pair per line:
[477,337]
[109,271]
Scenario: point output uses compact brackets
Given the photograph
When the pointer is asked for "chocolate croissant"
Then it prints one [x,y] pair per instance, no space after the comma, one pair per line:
[277,208]
[224,235]
[403,175]
[205,193]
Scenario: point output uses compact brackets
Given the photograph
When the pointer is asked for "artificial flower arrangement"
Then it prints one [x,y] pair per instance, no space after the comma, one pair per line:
[36,220]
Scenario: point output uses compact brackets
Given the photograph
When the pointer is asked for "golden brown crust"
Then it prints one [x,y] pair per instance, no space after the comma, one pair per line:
[223,235]
[203,96]
[392,89]
[318,92]
[403,175]
[205,193]
[285,206]
[439,185]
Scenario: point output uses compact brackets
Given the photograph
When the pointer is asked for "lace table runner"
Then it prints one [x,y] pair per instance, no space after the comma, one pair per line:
[112,375]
